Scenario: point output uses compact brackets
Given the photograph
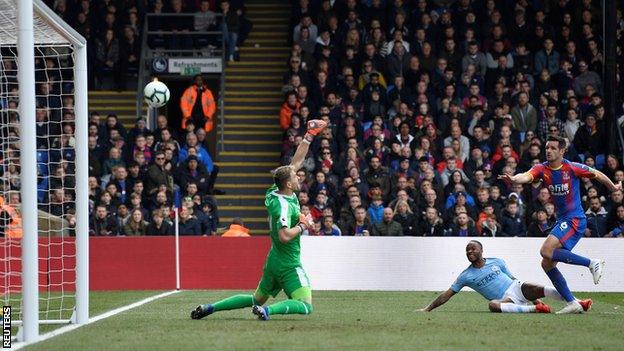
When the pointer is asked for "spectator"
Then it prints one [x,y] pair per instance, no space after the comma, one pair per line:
[490,226]
[376,210]
[198,105]
[237,229]
[159,225]
[130,54]
[406,218]
[328,227]
[596,219]
[290,106]
[432,225]
[102,224]
[230,27]
[157,175]
[388,226]
[188,224]
[512,224]
[590,139]
[191,171]
[585,78]
[204,19]
[524,114]
[540,225]
[617,228]
[107,57]
[360,225]
[547,58]
[462,226]
[135,226]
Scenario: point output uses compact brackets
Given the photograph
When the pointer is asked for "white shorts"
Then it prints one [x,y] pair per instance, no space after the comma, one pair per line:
[514,292]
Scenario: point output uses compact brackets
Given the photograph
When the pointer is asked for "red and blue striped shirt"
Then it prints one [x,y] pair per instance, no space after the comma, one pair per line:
[564,185]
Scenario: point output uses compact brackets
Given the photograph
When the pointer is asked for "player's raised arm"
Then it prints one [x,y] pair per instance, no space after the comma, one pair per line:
[520,178]
[601,177]
[315,126]
[439,301]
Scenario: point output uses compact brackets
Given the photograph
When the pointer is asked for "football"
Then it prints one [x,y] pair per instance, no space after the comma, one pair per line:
[156,94]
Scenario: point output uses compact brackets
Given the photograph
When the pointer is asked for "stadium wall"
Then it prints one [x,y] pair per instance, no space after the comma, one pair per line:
[432,264]
[332,263]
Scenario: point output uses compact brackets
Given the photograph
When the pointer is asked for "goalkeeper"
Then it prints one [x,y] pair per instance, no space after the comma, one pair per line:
[282,270]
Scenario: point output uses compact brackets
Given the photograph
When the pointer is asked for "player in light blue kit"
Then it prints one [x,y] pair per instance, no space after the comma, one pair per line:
[491,278]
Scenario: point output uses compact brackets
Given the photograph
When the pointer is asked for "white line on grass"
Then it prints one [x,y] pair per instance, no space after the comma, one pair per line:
[70,327]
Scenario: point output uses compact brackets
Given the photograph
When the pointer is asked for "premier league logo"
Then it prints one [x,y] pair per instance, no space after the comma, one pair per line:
[159,65]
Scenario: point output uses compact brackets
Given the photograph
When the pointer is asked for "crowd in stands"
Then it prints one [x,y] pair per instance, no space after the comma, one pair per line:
[138,176]
[114,30]
[428,101]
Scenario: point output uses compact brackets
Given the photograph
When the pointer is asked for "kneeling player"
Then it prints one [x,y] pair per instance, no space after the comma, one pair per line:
[491,278]
[283,270]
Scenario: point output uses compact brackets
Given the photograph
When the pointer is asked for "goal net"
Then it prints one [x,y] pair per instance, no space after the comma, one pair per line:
[43,172]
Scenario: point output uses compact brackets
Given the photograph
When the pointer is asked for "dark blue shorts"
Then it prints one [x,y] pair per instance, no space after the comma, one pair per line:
[569,231]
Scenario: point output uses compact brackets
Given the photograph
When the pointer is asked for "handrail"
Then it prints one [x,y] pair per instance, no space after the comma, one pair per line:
[618,122]
[222,92]
[141,78]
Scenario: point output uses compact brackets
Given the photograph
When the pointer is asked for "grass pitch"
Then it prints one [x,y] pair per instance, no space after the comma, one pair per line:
[344,321]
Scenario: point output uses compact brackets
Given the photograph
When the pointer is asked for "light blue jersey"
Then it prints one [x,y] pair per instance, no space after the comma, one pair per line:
[491,280]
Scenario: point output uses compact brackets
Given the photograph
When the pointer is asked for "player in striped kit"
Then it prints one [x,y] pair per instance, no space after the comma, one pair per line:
[562,178]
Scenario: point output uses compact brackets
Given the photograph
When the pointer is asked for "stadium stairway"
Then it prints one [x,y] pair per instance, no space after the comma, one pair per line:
[121,103]
[252,136]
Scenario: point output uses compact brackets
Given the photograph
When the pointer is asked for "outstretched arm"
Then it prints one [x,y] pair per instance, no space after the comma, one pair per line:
[315,126]
[300,154]
[439,301]
[520,178]
[601,177]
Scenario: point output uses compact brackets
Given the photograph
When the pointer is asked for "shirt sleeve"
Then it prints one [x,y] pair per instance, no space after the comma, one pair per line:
[459,283]
[505,269]
[536,172]
[583,171]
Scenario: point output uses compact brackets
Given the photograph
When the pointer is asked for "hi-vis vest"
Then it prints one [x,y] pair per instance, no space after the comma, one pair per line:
[13,229]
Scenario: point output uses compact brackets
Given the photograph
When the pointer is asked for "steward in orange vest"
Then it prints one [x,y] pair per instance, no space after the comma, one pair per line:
[237,229]
[10,221]
[200,111]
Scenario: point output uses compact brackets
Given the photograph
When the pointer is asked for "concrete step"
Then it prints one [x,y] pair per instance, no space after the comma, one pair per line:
[255,105]
[264,93]
[267,48]
[256,71]
[266,146]
[244,126]
[243,78]
[254,154]
[252,63]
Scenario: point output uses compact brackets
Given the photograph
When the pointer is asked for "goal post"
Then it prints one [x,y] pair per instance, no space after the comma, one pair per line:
[31,31]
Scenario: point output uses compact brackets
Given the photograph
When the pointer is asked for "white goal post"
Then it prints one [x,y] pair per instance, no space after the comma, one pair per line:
[29,28]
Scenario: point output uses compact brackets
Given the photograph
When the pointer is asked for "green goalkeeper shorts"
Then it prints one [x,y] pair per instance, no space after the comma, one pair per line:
[288,280]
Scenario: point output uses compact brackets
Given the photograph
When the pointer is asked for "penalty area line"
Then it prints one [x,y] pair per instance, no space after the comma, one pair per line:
[70,327]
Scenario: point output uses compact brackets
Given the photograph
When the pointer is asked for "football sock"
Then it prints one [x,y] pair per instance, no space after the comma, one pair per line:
[234,302]
[513,308]
[566,256]
[552,293]
[289,307]
[560,284]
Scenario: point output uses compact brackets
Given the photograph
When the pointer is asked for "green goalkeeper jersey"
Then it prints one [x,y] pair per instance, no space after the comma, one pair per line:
[283,212]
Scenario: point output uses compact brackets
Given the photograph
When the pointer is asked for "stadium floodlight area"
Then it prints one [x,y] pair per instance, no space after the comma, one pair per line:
[44,168]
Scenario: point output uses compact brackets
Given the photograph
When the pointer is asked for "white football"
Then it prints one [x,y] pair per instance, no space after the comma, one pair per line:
[156,94]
